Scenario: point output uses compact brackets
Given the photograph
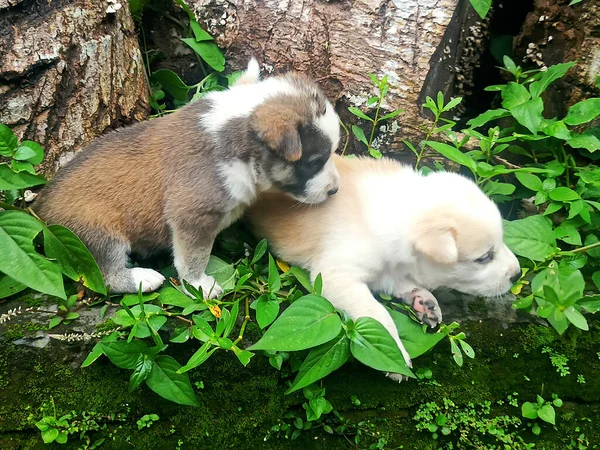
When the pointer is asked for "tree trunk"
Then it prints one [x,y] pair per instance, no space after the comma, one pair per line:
[68,71]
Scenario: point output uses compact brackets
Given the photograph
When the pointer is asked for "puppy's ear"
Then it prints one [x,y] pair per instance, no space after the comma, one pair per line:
[278,126]
[436,239]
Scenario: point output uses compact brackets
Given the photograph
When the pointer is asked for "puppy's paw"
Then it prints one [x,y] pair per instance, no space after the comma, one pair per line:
[398,377]
[426,306]
[151,280]
[210,287]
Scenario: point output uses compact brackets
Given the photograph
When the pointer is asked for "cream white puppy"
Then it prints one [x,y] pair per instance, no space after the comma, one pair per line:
[394,231]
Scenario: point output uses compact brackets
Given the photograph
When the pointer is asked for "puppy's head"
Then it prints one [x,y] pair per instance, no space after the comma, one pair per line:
[301,129]
[460,241]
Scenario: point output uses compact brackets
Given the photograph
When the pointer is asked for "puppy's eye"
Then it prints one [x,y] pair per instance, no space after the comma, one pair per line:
[489,256]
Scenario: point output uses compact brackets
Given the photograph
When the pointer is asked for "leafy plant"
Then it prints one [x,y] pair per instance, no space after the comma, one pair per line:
[32,253]
[374,101]
[541,409]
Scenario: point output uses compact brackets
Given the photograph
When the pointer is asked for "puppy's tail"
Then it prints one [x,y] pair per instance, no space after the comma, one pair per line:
[252,73]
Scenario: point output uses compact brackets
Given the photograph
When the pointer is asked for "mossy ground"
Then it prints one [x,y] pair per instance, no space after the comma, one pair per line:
[239,405]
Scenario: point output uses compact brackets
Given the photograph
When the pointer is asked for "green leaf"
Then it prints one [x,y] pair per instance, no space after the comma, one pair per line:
[156,321]
[531,237]
[467,349]
[9,179]
[209,52]
[482,7]
[9,287]
[49,435]
[456,353]
[199,357]
[563,194]
[583,112]
[181,335]
[358,113]
[8,141]
[134,299]
[509,64]
[576,318]
[141,370]
[596,276]
[452,103]
[123,354]
[29,151]
[62,437]
[302,276]
[567,233]
[588,141]
[392,114]
[242,355]
[321,361]
[266,311]
[556,129]
[496,188]
[97,350]
[224,273]
[199,33]
[55,321]
[360,134]
[514,94]
[74,258]
[453,154]
[590,303]
[529,410]
[529,180]
[551,74]
[259,251]
[171,83]
[274,280]
[547,414]
[309,321]
[489,115]
[373,346]
[166,382]
[529,114]
[416,340]
[20,166]
[170,296]
[18,258]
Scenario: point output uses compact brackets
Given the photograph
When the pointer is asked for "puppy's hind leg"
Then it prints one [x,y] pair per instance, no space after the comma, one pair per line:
[111,254]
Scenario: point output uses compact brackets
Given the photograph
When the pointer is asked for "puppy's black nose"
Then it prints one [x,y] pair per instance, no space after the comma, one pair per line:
[332,191]
[515,277]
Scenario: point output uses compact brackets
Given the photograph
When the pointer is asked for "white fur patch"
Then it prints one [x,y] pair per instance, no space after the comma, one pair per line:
[150,279]
[240,101]
[325,180]
[210,287]
[329,124]
[240,181]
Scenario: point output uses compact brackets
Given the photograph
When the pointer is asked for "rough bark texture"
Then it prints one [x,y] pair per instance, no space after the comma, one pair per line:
[68,71]
[556,32]
[338,43]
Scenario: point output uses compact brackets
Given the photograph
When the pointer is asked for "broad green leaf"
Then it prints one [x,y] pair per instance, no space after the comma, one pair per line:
[373,346]
[302,276]
[358,113]
[73,257]
[266,311]
[596,278]
[509,64]
[514,94]
[529,114]
[199,33]
[568,233]
[209,52]
[587,141]
[259,251]
[123,354]
[309,321]
[482,7]
[496,188]
[360,134]
[221,271]
[531,237]
[8,141]
[156,321]
[583,112]
[416,341]
[321,361]
[551,74]
[166,382]
[143,367]
[22,166]
[9,179]
[576,318]
[556,129]
[452,103]
[563,194]
[453,154]
[181,335]
[242,355]
[529,410]
[274,280]
[18,258]
[168,295]
[55,321]
[566,281]
[547,414]
[590,303]
[29,151]
[529,180]
[97,350]
[49,435]
[9,287]
[171,83]
[134,299]
[489,115]
[467,349]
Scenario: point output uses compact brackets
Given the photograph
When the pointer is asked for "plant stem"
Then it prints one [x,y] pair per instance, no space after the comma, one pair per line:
[347,136]
[423,145]
[566,162]
[580,249]
[246,320]
[6,206]
[374,127]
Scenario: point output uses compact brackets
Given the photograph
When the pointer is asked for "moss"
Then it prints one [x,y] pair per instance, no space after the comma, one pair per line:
[20,330]
[107,325]
[239,405]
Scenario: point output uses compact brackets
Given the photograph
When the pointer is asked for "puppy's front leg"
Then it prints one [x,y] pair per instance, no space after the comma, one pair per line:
[422,302]
[355,298]
[193,238]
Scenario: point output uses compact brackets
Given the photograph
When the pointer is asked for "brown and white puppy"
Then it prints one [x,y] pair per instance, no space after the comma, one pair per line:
[394,231]
[176,181]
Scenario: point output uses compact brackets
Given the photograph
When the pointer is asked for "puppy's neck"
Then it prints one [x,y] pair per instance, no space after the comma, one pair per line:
[243,180]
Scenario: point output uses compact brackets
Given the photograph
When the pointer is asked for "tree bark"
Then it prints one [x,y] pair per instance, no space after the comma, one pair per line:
[69,70]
